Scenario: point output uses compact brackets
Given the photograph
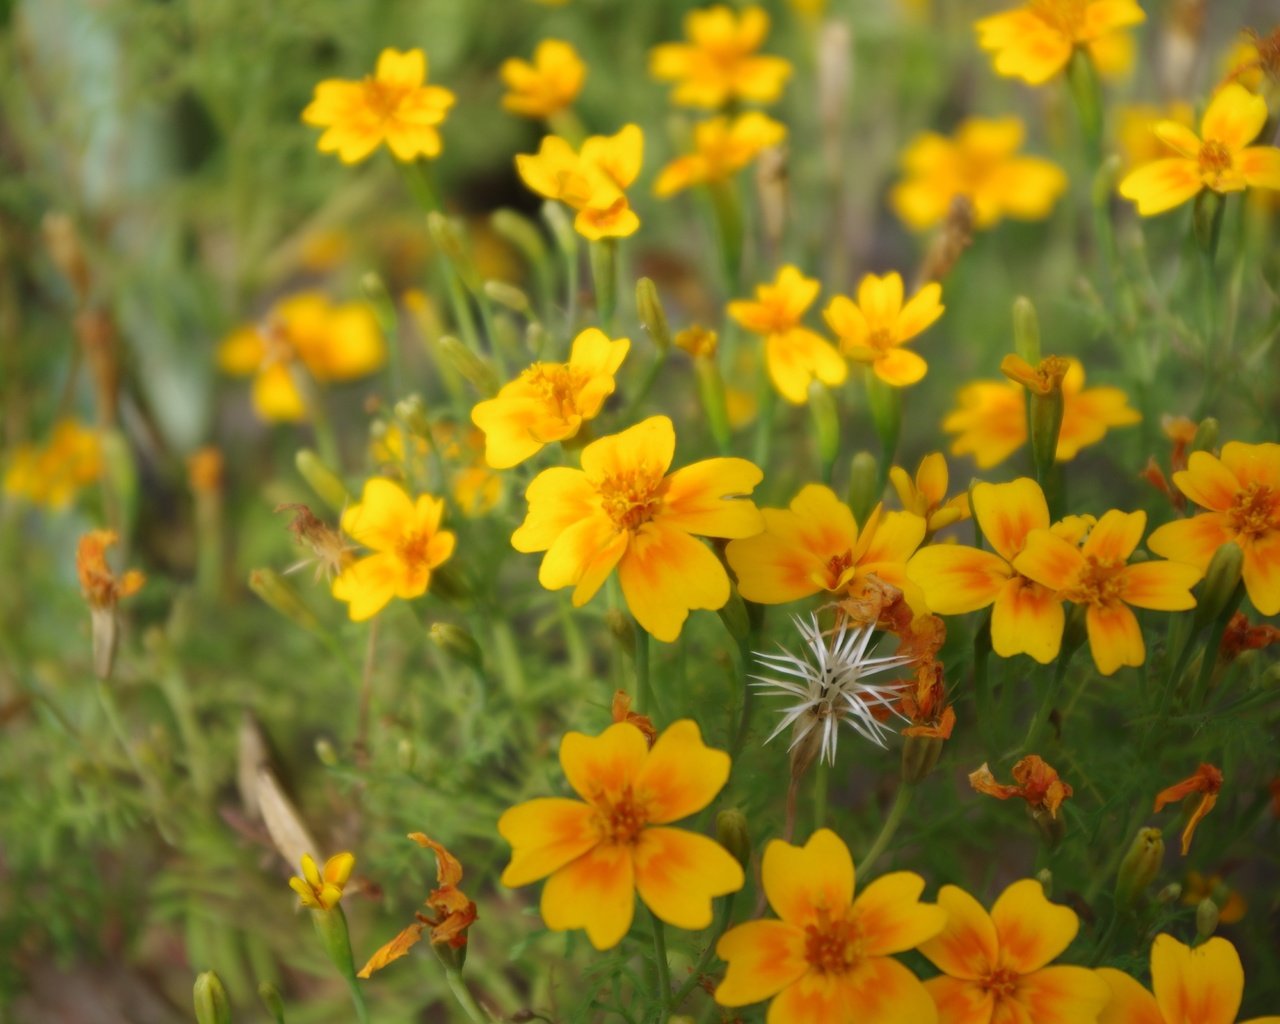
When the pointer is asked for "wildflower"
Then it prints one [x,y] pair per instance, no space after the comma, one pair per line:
[322,890]
[547,86]
[1220,158]
[980,164]
[1035,780]
[829,680]
[722,147]
[816,545]
[1097,577]
[991,420]
[1203,985]
[719,64]
[873,330]
[1138,143]
[407,542]
[926,495]
[997,966]
[1240,636]
[454,912]
[623,510]
[1207,781]
[1196,887]
[829,957]
[794,355]
[1034,42]
[393,105]
[591,182]
[1241,490]
[601,850]
[100,586]
[332,342]
[52,474]
[700,342]
[549,401]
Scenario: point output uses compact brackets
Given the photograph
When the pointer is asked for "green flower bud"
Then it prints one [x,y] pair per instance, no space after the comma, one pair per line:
[1220,591]
[733,835]
[280,594]
[919,757]
[652,316]
[735,618]
[469,366]
[325,753]
[864,476]
[384,310]
[270,997]
[1045,877]
[623,629]
[331,926]
[1026,330]
[1207,914]
[1170,894]
[507,295]
[327,485]
[457,642]
[1140,866]
[451,956]
[1206,438]
[210,1000]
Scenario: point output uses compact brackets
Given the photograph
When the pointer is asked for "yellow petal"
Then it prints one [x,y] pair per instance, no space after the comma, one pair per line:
[1032,930]
[405,70]
[1260,166]
[1114,638]
[276,397]
[1162,184]
[647,447]
[601,768]
[558,498]
[1203,985]
[595,892]
[681,775]
[545,835]
[1114,536]
[1063,995]
[1208,482]
[1050,560]
[890,916]
[1160,586]
[1027,619]
[900,367]
[1006,513]
[801,880]
[1234,117]
[705,498]
[918,314]
[967,947]
[1193,540]
[961,1002]
[1262,572]
[367,585]
[241,352]
[957,579]
[1130,1003]
[894,539]
[763,958]
[880,299]
[665,574]
[382,517]
[678,873]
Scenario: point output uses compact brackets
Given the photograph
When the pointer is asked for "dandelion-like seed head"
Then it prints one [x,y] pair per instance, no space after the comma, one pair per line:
[830,682]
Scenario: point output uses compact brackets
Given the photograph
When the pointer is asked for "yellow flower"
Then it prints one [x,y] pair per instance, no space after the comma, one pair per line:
[926,496]
[1254,59]
[333,343]
[623,510]
[1220,159]
[991,420]
[549,401]
[873,330]
[794,355]
[592,182]
[52,474]
[1138,143]
[722,147]
[394,105]
[407,542]
[322,891]
[548,85]
[719,64]
[829,957]
[980,164]
[1035,41]
[475,487]
[601,850]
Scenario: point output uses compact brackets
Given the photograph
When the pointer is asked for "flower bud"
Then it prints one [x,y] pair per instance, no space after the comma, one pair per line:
[826,425]
[210,1000]
[652,316]
[280,594]
[521,232]
[384,310]
[449,584]
[449,239]
[327,485]
[864,475]
[1170,894]
[325,752]
[1045,877]
[1207,914]
[453,957]
[1026,330]
[456,641]
[270,997]
[1220,590]
[561,228]
[507,295]
[733,835]
[919,757]
[1206,436]
[406,754]
[1140,866]
[469,366]
[734,616]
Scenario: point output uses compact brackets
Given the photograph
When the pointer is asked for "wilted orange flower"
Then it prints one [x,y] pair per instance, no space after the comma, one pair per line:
[1034,42]
[1240,635]
[1036,781]
[100,586]
[393,105]
[794,355]
[719,63]
[52,474]
[926,495]
[1196,887]
[620,711]
[874,329]
[829,957]
[601,850]
[924,702]
[1207,781]
[591,182]
[330,553]
[979,163]
[722,147]
[322,890]
[547,86]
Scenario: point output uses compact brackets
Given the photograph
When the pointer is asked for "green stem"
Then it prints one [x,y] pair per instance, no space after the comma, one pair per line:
[604,276]
[357,997]
[644,692]
[889,828]
[821,784]
[464,997]
[1041,718]
[685,990]
[728,213]
[766,413]
[417,176]
[152,789]
[660,959]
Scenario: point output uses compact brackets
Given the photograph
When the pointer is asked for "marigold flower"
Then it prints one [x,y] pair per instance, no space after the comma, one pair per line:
[794,355]
[1220,158]
[816,545]
[1035,780]
[991,419]
[333,343]
[1241,489]
[591,182]
[100,586]
[601,850]
[1035,41]
[829,957]
[52,474]
[547,86]
[393,105]
[322,890]
[1207,781]
[874,329]
[719,63]
[407,542]
[926,495]
[722,147]
[1204,985]
[997,966]
[1137,142]
[549,401]
[622,509]
[700,342]
[980,164]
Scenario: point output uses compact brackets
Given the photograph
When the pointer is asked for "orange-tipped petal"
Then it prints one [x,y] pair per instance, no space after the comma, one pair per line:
[957,579]
[1160,586]
[1063,995]
[1234,117]
[1262,572]
[1193,540]
[961,1002]
[1162,184]
[1130,1003]
[1050,560]
[665,574]
[1008,512]
[1208,482]
[705,498]
[1114,537]
[604,766]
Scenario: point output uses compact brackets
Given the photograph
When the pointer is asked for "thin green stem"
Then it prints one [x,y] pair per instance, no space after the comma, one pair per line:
[1041,718]
[462,993]
[660,959]
[722,923]
[357,997]
[889,827]
[644,691]
[821,785]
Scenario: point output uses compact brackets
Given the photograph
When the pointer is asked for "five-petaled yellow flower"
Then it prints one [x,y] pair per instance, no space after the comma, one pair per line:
[1220,158]
[721,148]
[828,959]
[980,163]
[549,401]
[926,495]
[622,509]
[406,541]
[547,86]
[591,182]
[794,355]
[394,105]
[1035,41]
[601,850]
[874,329]
[719,63]
[322,890]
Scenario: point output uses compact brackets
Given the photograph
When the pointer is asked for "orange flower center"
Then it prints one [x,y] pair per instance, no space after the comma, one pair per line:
[630,499]
[411,549]
[833,945]
[881,339]
[837,566]
[621,820]
[1215,158]
[382,99]
[1255,511]
[1001,983]
[1065,16]
[1100,583]
[558,384]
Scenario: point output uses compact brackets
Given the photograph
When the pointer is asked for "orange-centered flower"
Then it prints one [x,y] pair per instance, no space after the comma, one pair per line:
[1220,158]
[719,63]
[407,544]
[722,147]
[622,509]
[794,355]
[322,890]
[926,495]
[1035,780]
[549,401]
[829,957]
[1207,781]
[1035,41]
[1204,985]
[547,86]
[996,966]
[601,850]
[592,182]
[393,105]
[1098,577]
[1241,489]
[873,330]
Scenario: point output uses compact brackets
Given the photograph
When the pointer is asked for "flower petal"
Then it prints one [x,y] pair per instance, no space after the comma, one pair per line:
[1193,540]
[1027,619]
[967,947]
[595,892]
[706,498]
[1130,1003]
[1253,463]
[545,835]
[1260,166]
[957,579]
[880,299]
[681,774]
[1050,560]
[1262,572]
[602,767]
[1234,117]
[1208,482]
[1008,512]
[960,1001]
[900,367]
[679,873]
[1162,184]
[890,916]
[1203,985]
[894,539]
[800,880]
[558,498]
[880,990]
[647,447]
[763,958]
[665,574]
[1062,995]
[1114,536]
[1032,930]
[920,312]
[1160,586]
